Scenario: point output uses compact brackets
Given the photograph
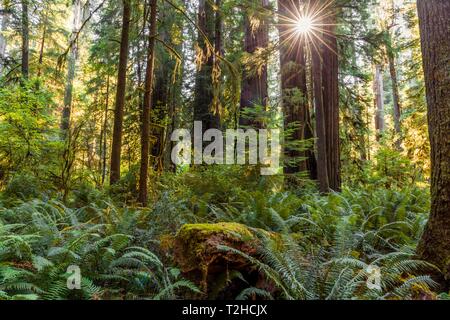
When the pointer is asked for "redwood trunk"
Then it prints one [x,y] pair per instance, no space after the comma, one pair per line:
[378,89]
[321,142]
[254,84]
[293,86]
[396,97]
[330,82]
[116,149]
[434,20]
[203,82]
[145,130]
[25,39]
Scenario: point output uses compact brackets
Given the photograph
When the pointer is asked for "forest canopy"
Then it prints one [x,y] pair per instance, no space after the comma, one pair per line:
[224,149]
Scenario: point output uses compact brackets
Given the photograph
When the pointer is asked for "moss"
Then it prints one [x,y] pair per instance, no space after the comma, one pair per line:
[205,229]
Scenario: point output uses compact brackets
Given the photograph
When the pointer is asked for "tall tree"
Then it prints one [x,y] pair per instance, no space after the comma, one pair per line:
[72,60]
[105,132]
[434,21]
[321,132]
[378,89]
[254,84]
[203,92]
[5,14]
[293,85]
[25,39]
[116,149]
[42,44]
[330,83]
[145,130]
[391,54]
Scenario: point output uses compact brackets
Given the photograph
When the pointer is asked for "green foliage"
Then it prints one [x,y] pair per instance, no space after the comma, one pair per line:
[330,242]
[23,186]
[36,253]
[27,140]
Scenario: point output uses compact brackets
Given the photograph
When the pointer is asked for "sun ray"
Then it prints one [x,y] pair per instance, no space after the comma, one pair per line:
[306,23]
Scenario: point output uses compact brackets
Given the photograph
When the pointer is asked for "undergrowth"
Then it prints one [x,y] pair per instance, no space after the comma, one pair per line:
[328,242]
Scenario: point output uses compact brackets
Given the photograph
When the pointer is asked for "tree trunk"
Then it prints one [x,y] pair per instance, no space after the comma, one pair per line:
[73,56]
[116,149]
[396,98]
[3,26]
[218,29]
[203,92]
[293,87]
[25,39]
[378,90]
[330,83]
[434,21]
[393,73]
[321,143]
[105,133]
[145,130]
[254,84]
[41,49]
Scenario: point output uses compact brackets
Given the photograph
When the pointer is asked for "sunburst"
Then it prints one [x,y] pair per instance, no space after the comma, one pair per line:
[305,23]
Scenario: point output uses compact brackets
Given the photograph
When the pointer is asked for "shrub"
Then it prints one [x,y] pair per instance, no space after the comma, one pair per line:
[23,186]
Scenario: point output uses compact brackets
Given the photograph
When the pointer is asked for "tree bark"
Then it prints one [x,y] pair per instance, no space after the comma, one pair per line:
[72,60]
[434,21]
[293,87]
[203,92]
[393,73]
[396,97]
[3,26]
[41,49]
[145,130]
[105,133]
[254,84]
[321,142]
[25,39]
[331,100]
[378,90]
[116,149]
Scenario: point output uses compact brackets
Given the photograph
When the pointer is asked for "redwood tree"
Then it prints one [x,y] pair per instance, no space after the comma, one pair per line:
[330,83]
[120,94]
[25,39]
[203,92]
[378,90]
[321,132]
[293,86]
[434,20]
[254,82]
[145,129]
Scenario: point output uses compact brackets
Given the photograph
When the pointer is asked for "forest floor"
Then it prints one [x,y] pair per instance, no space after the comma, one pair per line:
[359,243]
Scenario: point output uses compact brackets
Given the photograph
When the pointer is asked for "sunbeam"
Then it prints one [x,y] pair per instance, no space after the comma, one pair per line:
[305,24]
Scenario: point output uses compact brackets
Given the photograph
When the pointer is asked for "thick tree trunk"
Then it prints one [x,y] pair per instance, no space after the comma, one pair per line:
[378,90]
[25,39]
[203,91]
[434,20]
[116,149]
[321,143]
[254,84]
[145,130]
[330,82]
[293,86]
[72,60]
